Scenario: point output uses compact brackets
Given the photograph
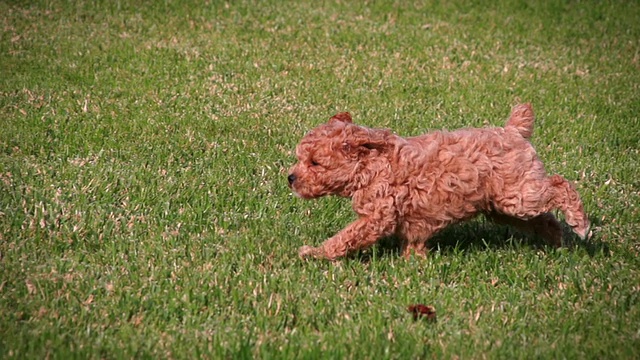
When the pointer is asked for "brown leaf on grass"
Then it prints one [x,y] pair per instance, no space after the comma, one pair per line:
[42,312]
[391,336]
[136,320]
[422,311]
[109,287]
[31,289]
[88,301]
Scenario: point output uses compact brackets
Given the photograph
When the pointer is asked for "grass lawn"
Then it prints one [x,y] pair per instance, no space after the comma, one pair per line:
[144,209]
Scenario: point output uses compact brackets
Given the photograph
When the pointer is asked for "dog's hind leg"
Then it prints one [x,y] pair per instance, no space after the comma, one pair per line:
[414,248]
[533,199]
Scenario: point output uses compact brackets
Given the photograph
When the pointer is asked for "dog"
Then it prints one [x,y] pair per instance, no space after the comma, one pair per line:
[411,188]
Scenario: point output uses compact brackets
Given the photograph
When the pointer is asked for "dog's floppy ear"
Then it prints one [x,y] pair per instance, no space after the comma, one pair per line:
[363,141]
[341,117]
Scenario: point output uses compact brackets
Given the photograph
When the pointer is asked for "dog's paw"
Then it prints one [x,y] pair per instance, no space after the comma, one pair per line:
[309,252]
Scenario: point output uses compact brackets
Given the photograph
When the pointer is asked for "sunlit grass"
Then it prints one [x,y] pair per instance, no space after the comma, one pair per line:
[144,210]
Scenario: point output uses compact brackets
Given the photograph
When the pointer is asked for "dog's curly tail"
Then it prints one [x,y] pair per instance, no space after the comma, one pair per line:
[522,119]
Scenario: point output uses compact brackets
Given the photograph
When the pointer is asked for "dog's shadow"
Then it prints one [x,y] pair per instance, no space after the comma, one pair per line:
[483,235]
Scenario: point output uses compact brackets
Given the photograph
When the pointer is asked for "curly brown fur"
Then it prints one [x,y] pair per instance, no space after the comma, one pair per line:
[413,187]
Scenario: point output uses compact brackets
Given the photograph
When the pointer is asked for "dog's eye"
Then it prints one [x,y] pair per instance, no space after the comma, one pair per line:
[314,163]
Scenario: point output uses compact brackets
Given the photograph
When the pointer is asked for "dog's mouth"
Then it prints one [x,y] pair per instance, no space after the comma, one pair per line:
[298,194]
[305,196]
[293,181]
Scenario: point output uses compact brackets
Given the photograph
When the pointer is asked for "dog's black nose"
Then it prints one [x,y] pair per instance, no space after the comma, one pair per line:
[291,179]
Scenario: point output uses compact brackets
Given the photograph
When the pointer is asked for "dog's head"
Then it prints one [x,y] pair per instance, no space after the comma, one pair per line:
[337,158]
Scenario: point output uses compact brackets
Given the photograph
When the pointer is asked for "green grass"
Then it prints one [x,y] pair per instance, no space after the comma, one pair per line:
[144,210]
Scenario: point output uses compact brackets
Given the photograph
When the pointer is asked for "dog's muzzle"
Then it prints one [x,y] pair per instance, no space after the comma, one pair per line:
[291,178]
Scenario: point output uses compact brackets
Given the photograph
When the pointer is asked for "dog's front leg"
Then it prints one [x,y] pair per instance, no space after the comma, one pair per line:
[360,234]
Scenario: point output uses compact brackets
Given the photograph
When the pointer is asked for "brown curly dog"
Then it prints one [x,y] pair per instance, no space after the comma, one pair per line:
[413,187]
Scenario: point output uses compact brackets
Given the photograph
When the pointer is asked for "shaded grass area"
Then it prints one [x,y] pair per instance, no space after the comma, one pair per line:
[144,207]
